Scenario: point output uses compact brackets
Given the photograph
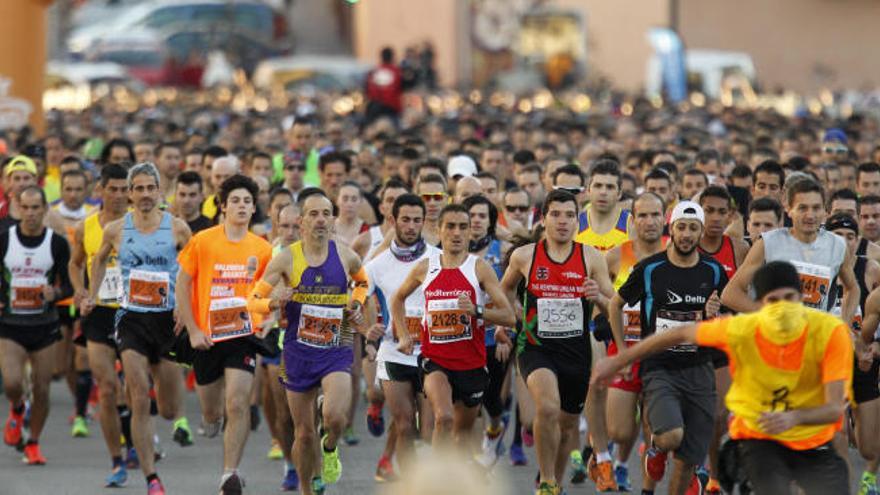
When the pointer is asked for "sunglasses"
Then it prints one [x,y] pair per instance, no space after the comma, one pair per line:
[292,168]
[433,196]
[842,150]
[514,208]
[572,190]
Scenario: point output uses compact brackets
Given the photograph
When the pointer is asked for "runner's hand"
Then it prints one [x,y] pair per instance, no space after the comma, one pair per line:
[604,371]
[280,298]
[355,313]
[79,298]
[178,323]
[86,305]
[774,423]
[375,332]
[591,289]
[865,359]
[502,351]
[49,293]
[465,304]
[713,305]
[875,349]
[371,353]
[199,341]
[405,345]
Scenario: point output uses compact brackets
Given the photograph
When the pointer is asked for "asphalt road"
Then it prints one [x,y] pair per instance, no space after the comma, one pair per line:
[77,466]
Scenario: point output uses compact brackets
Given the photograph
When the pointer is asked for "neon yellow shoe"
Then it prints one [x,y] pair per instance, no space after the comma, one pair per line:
[332,465]
[80,428]
[275,452]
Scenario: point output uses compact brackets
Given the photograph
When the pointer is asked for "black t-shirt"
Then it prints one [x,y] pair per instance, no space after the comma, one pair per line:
[200,223]
[671,296]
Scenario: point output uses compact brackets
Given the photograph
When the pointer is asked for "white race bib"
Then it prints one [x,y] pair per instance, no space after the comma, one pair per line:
[110,291]
[667,320]
[560,318]
[228,319]
[319,326]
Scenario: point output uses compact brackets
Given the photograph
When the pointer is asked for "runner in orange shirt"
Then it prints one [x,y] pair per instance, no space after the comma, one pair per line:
[791,367]
[218,267]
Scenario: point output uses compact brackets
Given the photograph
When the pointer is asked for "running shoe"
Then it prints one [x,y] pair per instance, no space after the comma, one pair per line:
[527,437]
[517,456]
[621,476]
[546,488]
[182,434]
[131,460]
[349,437]
[493,448]
[117,478]
[375,420]
[231,484]
[696,486]
[155,488]
[32,455]
[655,463]
[12,431]
[385,470]
[210,430]
[868,484]
[80,428]
[332,466]
[318,486]
[578,470]
[592,468]
[605,481]
[290,483]
[275,452]
[714,488]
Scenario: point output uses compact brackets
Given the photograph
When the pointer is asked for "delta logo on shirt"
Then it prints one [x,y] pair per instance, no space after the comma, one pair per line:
[673,298]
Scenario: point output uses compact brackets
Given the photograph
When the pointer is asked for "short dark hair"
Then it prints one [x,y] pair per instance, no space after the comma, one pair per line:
[408,199]
[867,168]
[669,167]
[453,208]
[34,189]
[805,185]
[115,172]
[432,163]
[571,169]
[238,181]
[214,151]
[606,167]
[279,191]
[658,174]
[715,191]
[472,201]
[741,172]
[515,190]
[558,196]
[167,144]
[708,155]
[334,157]
[532,168]
[771,167]
[392,183]
[844,194]
[125,143]
[387,55]
[190,178]
[695,171]
[523,157]
[433,178]
[75,173]
[351,183]
[766,204]
[870,199]
[486,175]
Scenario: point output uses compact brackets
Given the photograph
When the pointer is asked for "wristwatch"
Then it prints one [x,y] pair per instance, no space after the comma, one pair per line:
[478,311]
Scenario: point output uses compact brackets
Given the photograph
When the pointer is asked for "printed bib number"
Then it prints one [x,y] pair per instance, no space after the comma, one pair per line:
[815,282]
[319,326]
[110,291]
[667,320]
[228,319]
[447,323]
[148,289]
[632,323]
[560,318]
[414,317]
[26,295]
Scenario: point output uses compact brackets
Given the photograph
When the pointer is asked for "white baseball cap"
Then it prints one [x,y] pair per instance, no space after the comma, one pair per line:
[462,165]
[687,210]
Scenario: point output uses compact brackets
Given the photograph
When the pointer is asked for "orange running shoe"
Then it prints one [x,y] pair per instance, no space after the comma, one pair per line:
[385,470]
[605,481]
[12,431]
[32,455]
[713,487]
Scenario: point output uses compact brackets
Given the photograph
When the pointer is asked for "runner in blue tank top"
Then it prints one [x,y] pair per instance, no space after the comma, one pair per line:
[319,336]
[147,241]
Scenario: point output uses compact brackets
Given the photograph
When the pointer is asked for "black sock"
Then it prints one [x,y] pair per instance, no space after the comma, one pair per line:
[151,477]
[154,408]
[125,424]
[647,492]
[326,449]
[117,461]
[517,430]
[32,442]
[83,389]
[19,409]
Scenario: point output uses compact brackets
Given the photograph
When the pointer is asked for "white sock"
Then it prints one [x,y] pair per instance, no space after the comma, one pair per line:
[603,457]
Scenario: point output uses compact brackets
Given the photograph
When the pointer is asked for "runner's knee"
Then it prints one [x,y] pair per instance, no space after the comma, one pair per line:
[669,440]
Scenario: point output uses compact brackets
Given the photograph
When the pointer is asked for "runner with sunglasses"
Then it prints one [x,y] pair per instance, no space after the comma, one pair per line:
[432,190]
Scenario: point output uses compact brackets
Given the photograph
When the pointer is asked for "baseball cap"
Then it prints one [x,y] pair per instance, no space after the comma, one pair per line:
[21,163]
[834,134]
[687,210]
[462,165]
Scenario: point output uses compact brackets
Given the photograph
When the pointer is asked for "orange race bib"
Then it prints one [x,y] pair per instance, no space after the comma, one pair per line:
[228,319]
[632,323]
[414,317]
[815,282]
[148,289]
[447,323]
[319,326]
[26,295]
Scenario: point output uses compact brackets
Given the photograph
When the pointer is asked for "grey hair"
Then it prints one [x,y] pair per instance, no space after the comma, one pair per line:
[228,159]
[145,168]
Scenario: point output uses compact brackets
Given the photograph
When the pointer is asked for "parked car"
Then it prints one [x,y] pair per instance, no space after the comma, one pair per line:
[142,53]
[322,72]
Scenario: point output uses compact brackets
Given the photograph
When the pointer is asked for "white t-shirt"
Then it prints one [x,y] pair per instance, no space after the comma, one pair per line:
[386,274]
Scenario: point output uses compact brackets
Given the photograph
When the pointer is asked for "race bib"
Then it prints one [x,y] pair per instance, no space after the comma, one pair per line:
[667,320]
[319,326]
[560,318]
[632,323]
[148,289]
[815,282]
[110,291]
[26,295]
[447,323]
[228,319]
[414,317]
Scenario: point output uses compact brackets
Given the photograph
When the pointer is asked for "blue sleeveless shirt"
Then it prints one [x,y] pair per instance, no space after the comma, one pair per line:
[149,266]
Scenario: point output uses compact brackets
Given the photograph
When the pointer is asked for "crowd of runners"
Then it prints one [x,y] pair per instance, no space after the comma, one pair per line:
[695,287]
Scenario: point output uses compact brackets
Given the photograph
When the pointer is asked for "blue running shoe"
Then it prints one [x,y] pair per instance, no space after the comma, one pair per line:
[375,419]
[117,478]
[517,456]
[131,461]
[621,475]
[291,481]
